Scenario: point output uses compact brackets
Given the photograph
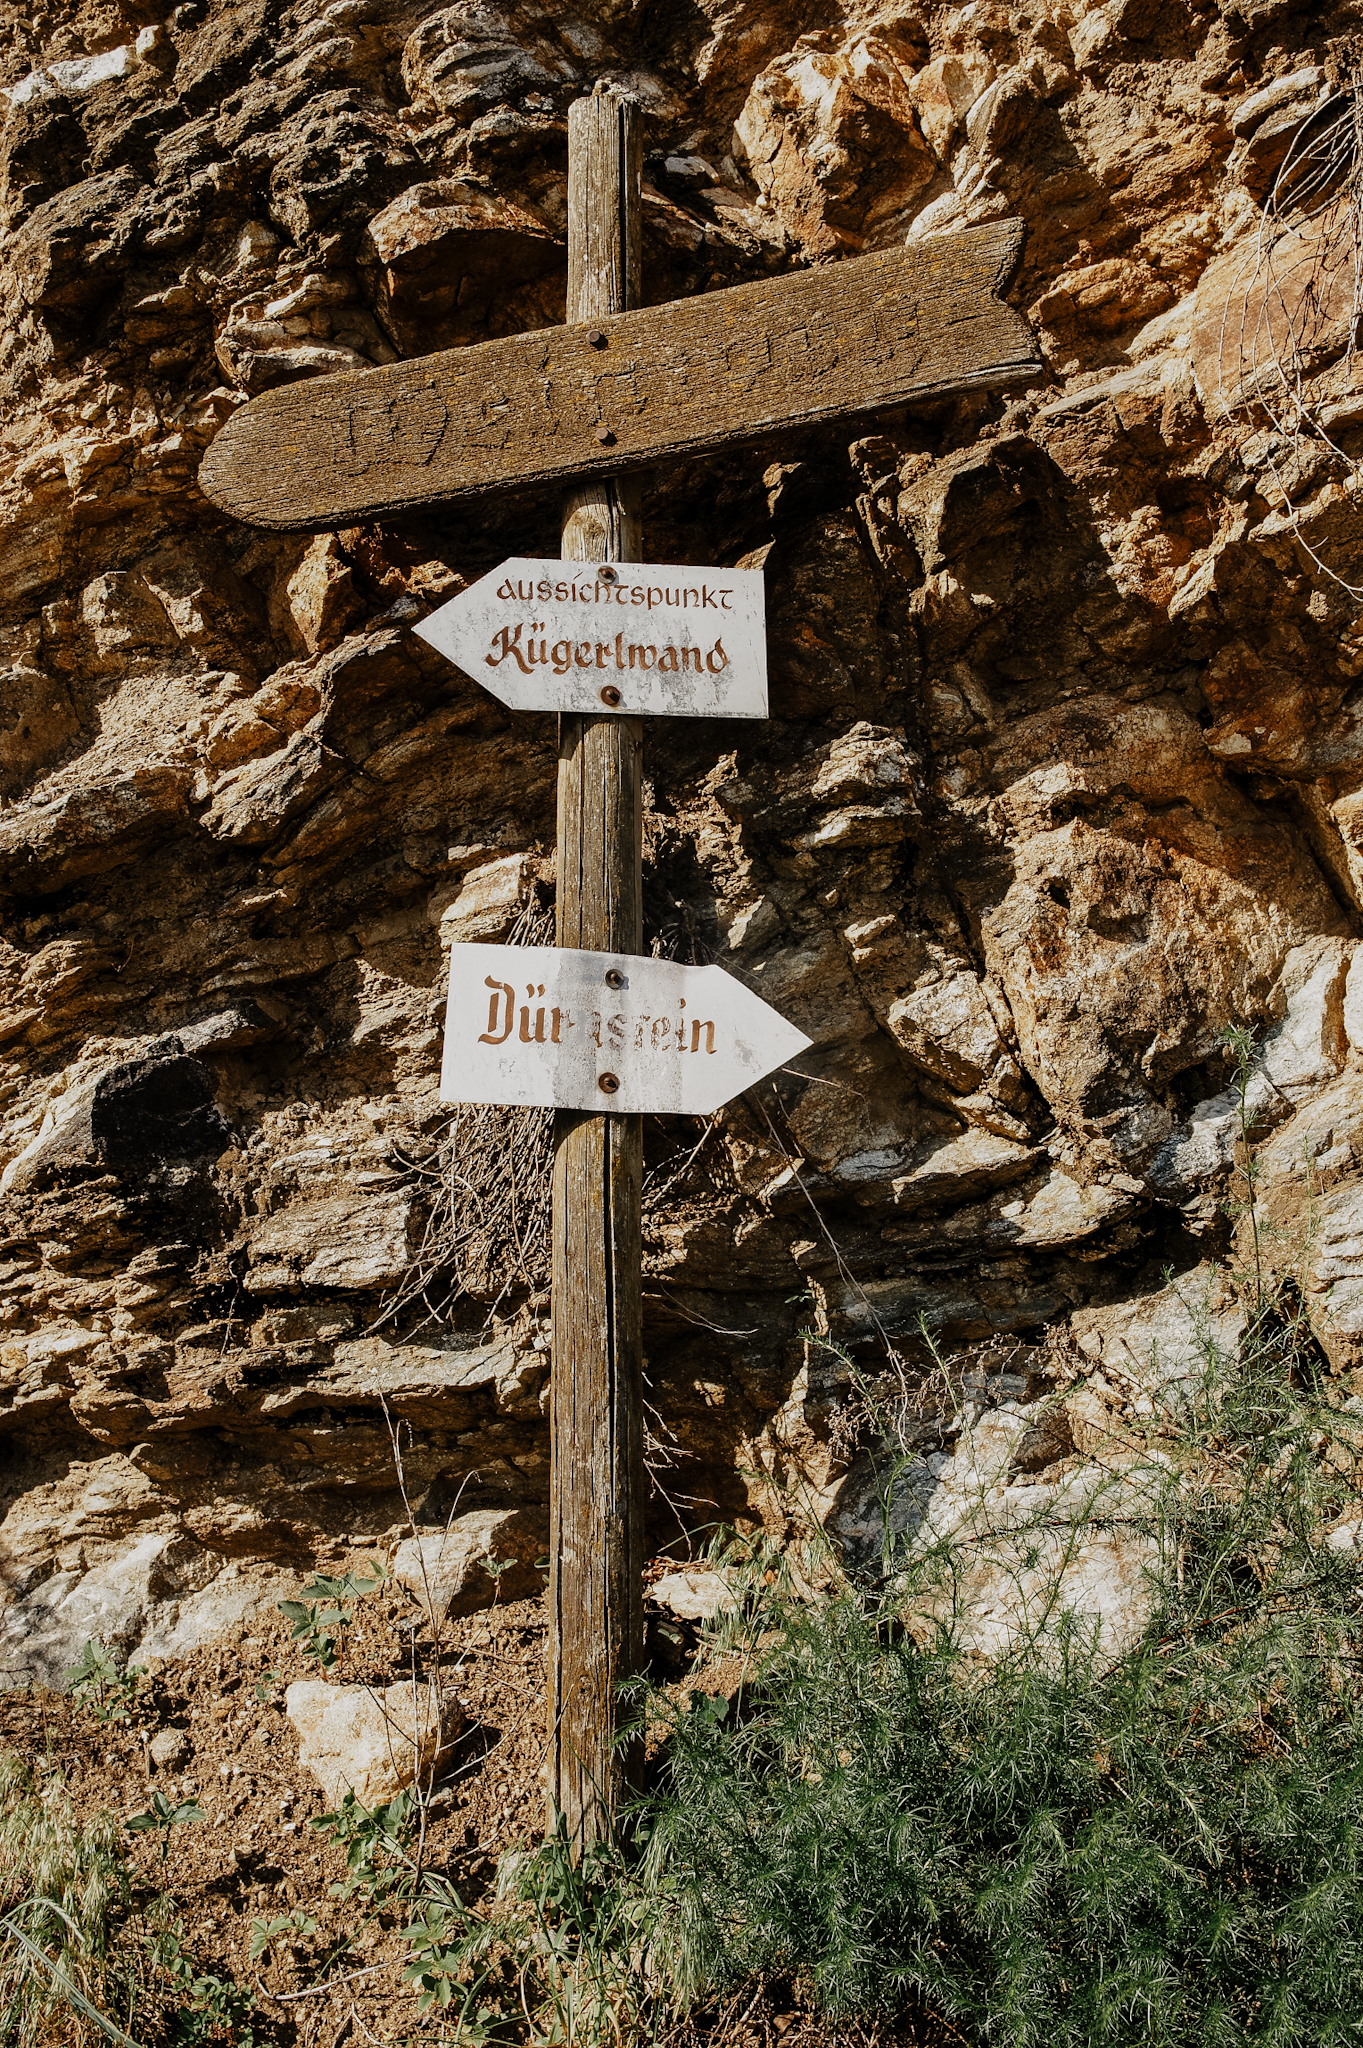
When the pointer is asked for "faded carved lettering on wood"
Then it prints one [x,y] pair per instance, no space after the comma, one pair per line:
[720,370]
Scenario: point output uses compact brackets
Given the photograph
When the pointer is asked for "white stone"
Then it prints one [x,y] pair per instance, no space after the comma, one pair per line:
[1161,1339]
[419,1382]
[82,74]
[972,1164]
[1103,1583]
[73,75]
[948,1029]
[487,903]
[943,92]
[1300,1054]
[1025,1552]
[1296,85]
[1061,1212]
[372,1742]
[160,1596]
[446,1569]
[757,924]
[694,1595]
[170,1748]
[333,1242]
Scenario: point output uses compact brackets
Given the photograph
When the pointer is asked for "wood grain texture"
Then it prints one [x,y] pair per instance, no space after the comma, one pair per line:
[722,370]
[596,1412]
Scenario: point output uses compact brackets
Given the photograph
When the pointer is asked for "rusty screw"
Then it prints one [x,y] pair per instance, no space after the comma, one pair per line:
[606,573]
[614,978]
[610,695]
[605,437]
[595,337]
[608,1083]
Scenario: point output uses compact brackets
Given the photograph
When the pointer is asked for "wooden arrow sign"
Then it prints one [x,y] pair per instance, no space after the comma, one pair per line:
[662,640]
[640,388]
[552,1028]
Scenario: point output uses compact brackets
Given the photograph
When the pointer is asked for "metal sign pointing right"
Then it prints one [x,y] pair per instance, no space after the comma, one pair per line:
[554,1028]
[653,638]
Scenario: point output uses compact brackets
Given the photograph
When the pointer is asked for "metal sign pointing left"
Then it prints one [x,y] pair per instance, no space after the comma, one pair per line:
[632,638]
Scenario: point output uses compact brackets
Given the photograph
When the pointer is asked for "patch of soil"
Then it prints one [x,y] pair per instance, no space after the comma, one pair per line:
[256,1857]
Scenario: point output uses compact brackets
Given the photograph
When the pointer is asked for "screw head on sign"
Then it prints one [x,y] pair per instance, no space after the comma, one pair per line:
[610,695]
[605,436]
[595,337]
[614,978]
[608,1082]
[606,573]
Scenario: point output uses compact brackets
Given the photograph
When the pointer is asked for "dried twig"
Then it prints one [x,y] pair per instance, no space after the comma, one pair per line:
[1305,268]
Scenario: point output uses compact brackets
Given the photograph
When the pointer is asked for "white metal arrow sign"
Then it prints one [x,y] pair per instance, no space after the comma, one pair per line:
[553,1028]
[629,637]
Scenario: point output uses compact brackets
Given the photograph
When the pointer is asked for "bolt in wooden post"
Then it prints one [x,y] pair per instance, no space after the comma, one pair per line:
[596,1484]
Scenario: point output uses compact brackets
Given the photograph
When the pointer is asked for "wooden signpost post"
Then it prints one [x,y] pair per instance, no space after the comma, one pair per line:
[615,391]
[596,1416]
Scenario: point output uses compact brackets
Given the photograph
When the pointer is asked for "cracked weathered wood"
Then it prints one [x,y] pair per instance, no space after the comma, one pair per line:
[722,370]
[596,1418]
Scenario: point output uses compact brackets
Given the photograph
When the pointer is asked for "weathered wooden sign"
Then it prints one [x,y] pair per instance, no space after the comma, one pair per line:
[633,390]
[561,636]
[616,391]
[554,1028]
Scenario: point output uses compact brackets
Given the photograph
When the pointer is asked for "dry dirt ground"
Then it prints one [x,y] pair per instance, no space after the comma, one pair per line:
[255,1855]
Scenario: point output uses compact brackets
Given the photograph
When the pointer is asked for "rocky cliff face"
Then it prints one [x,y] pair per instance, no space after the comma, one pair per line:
[1064,773]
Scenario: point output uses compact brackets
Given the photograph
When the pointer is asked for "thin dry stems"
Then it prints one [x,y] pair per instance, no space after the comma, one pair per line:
[486,1235]
[1318,187]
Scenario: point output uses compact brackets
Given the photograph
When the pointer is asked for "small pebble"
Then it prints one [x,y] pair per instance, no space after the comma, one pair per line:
[169,1748]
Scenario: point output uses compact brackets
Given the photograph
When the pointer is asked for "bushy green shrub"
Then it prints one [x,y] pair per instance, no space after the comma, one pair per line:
[1060,1846]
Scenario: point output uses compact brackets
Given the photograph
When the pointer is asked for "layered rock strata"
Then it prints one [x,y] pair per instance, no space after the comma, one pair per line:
[1064,773]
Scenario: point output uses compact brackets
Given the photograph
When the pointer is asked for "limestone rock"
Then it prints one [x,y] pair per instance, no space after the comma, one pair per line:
[1334,1277]
[1064,773]
[1029,1558]
[831,134]
[964,1167]
[482,1557]
[170,1749]
[374,1742]
[158,1596]
[333,1243]
[486,903]
[1311,1202]
[1146,1348]
[443,259]
[693,1595]
[1300,1054]
[949,1029]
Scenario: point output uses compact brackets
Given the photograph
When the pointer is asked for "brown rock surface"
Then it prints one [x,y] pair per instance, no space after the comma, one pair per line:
[1064,773]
